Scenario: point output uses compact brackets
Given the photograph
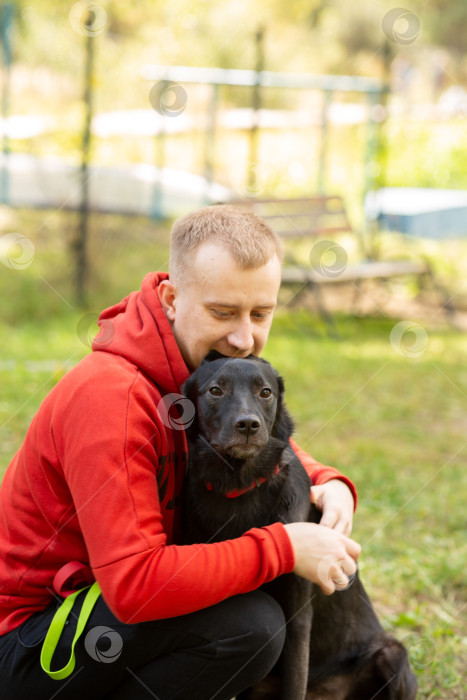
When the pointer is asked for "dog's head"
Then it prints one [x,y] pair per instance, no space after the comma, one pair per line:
[238,403]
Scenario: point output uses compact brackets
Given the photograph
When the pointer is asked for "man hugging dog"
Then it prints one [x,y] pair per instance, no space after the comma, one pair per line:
[94,494]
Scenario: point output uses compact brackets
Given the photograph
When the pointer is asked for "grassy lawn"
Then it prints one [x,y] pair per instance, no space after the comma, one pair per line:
[395,424]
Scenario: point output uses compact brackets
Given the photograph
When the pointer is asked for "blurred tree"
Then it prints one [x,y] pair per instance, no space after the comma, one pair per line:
[326,35]
[445,22]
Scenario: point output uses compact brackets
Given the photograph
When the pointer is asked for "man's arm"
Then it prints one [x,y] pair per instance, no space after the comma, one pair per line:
[332,492]
[109,440]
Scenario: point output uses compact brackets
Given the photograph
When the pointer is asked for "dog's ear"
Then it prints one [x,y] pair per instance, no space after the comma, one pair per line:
[189,387]
[390,657]
[391,665]
[283,424]
[190,390]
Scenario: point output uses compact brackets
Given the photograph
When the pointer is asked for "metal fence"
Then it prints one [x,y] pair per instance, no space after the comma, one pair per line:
[169,96]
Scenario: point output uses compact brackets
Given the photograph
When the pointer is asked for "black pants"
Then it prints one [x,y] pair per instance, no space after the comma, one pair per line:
[213,653]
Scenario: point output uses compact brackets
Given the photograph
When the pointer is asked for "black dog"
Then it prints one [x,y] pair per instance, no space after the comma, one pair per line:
[242,474]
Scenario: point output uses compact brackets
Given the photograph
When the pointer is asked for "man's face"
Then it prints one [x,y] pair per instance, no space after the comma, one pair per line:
[221,307]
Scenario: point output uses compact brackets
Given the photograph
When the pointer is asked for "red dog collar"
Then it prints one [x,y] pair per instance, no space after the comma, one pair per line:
[239,492]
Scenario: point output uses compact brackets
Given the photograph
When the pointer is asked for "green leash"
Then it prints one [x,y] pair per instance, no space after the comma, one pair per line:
[57,625]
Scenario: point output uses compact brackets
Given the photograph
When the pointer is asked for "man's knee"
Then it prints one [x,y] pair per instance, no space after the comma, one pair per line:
[260,631]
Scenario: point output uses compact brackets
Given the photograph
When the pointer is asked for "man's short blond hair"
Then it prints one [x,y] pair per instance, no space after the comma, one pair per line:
[251,242]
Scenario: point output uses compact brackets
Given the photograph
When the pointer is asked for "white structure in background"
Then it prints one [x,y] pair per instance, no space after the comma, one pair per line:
[419,211]
[127,189]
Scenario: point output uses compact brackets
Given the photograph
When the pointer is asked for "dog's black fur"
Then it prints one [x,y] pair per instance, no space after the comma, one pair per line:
[239,435]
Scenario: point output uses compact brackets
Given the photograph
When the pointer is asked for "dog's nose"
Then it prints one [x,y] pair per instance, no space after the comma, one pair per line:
[247,425]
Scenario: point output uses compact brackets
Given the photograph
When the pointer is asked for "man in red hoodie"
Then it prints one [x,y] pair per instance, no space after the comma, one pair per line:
[93,495]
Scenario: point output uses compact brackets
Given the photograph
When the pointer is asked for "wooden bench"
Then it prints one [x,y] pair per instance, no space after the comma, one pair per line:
[313,224]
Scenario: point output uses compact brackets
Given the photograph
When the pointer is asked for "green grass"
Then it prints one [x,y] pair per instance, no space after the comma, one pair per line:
[395,425]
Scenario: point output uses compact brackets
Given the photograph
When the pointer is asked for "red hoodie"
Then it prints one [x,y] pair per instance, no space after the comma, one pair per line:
[98,479]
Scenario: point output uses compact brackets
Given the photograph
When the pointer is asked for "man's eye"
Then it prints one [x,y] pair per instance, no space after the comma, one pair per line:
[266,393]
[215,391]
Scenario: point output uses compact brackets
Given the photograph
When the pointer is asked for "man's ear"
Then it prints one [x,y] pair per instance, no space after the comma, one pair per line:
[283,424]
[167,295]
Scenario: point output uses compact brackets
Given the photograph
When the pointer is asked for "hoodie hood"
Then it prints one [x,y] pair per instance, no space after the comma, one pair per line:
[138,330]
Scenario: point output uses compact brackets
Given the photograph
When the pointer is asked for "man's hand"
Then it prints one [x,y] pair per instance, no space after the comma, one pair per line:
[323,556]
[335,500]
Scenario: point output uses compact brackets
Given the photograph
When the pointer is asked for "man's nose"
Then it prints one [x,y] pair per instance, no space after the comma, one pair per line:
[242,337]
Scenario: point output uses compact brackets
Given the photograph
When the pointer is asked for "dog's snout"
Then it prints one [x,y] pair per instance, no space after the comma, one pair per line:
[247,425]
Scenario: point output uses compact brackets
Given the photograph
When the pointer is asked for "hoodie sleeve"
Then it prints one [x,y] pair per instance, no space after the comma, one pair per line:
[110,444]
[320,473]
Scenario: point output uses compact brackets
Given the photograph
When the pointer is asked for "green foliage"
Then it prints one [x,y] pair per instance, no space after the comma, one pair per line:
[330,35]
[119,251]
[427,155]
[446,22]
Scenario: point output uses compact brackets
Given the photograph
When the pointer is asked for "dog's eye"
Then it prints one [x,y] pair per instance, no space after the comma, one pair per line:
[215,391]
[265,393]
